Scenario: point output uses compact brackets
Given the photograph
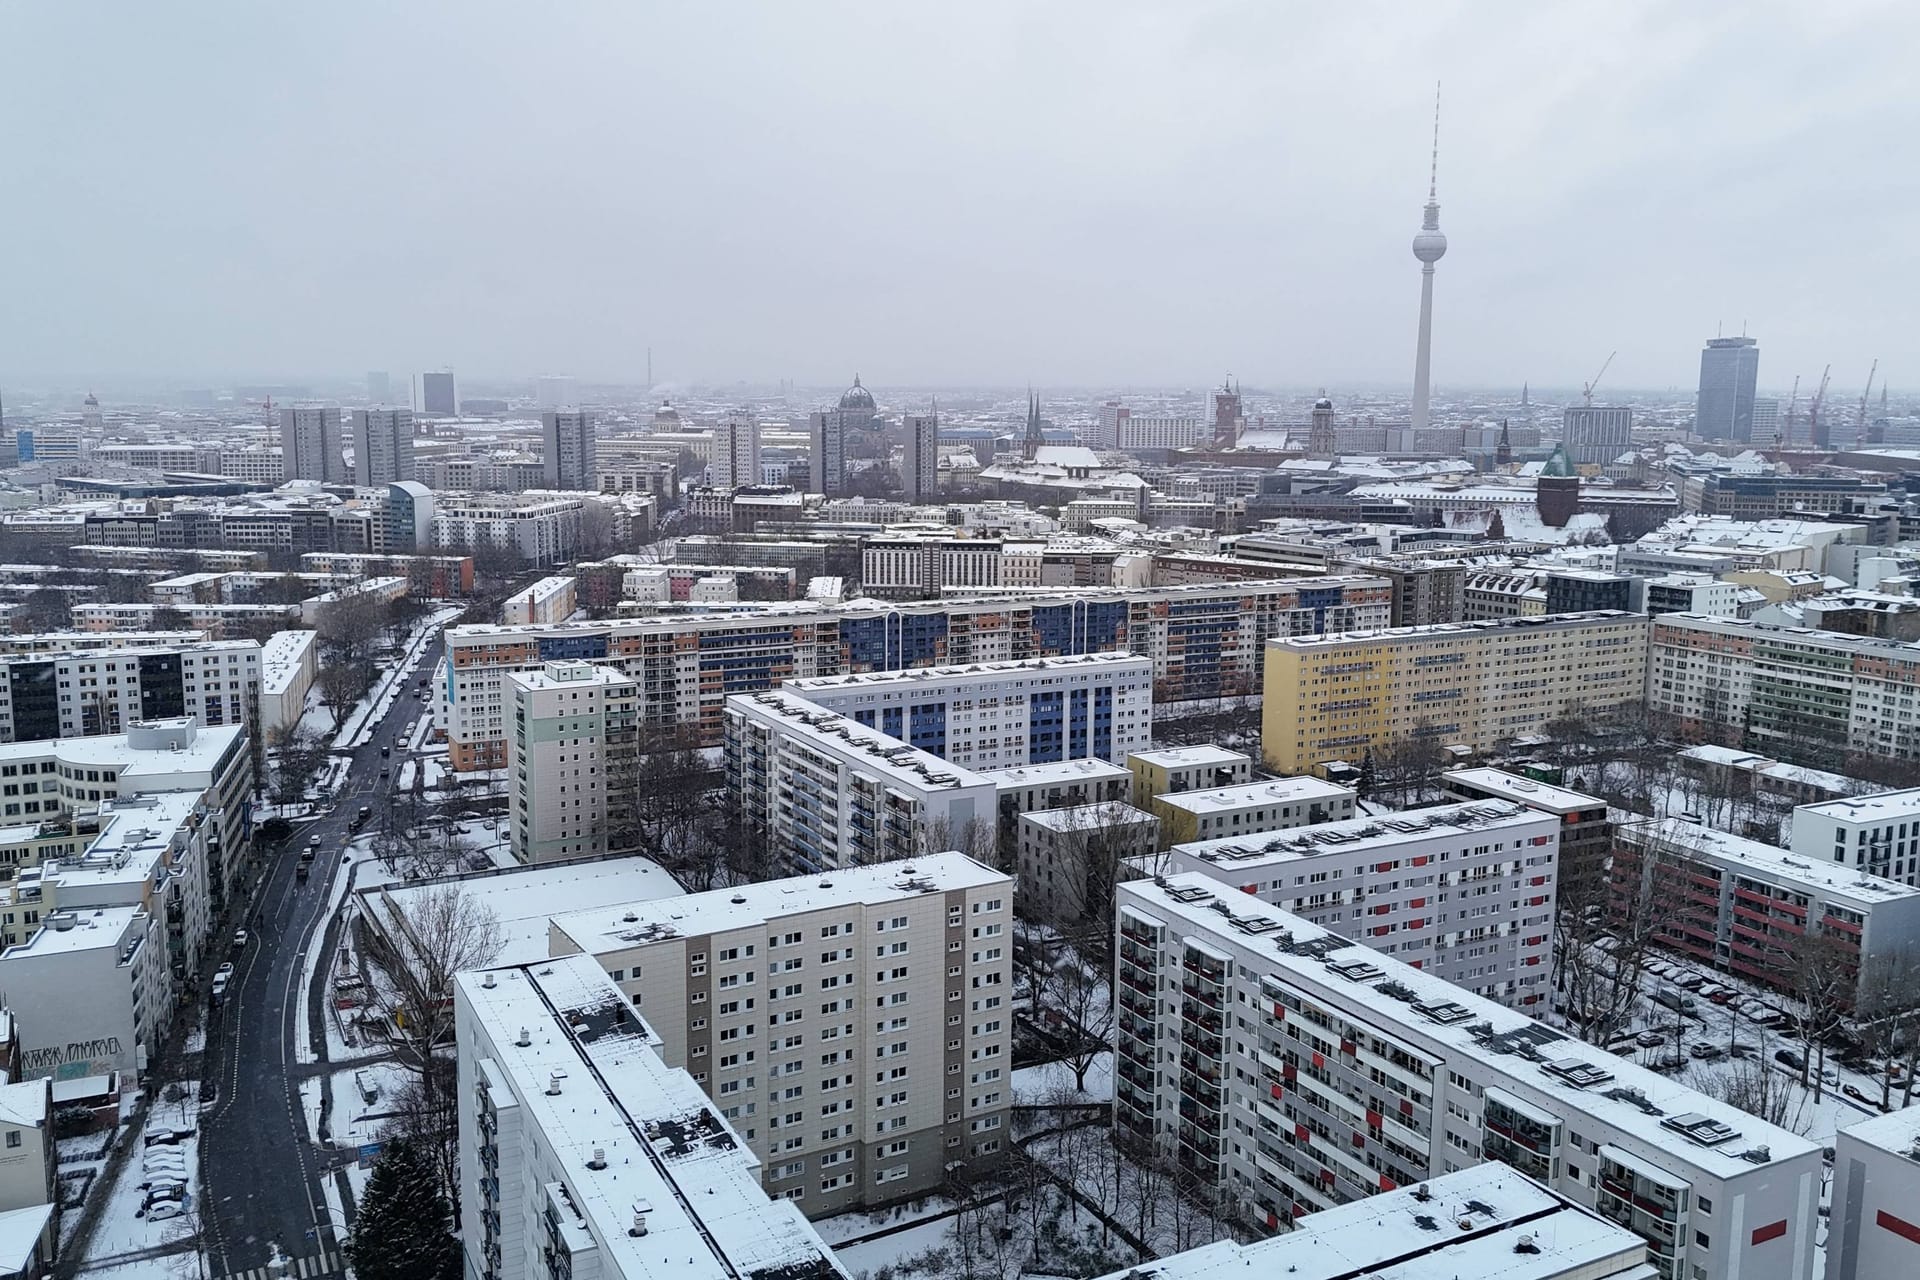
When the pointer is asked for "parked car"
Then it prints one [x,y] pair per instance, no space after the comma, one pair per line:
[1706,1052]
[1658,968]
[1788,1058]
[1691,981]
[239,939]
[1668,1063]
[167,1137]
[1648,1039]
[164,1209]
[1674,1000]
[220,984]
[1724,995]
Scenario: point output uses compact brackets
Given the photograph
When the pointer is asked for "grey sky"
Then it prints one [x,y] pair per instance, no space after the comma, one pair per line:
[953,193]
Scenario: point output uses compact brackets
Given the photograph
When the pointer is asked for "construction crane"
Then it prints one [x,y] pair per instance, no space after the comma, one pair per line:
[1813,409]
[1786,423]
[1860,428]
[1587,391]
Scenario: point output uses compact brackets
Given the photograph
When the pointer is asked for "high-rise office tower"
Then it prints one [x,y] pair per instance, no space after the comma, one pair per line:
[1728,369]
[567,442]
[1105,431]
[379,387]
[437,395]
[382,446]
[310,444]
[1429,246]
[1595,435]
[736,452]
[920,461]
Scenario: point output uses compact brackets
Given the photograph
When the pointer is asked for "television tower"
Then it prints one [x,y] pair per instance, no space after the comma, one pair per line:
[1429,246]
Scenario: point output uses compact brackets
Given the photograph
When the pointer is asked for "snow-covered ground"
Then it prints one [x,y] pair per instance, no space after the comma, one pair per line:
[123,1225]
[394,683]
[1051,1083]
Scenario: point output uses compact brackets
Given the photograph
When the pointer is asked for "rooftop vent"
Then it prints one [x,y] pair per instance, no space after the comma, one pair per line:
[1423,1193]
[1525,1244]
[1634,1098]
[1700,1129]
[1582,1075]
[1444,1012]
[488,981]
[599,1160]
[641,1208]
[1357,970]
[553,1082]
[525,1039]
[1757,1155]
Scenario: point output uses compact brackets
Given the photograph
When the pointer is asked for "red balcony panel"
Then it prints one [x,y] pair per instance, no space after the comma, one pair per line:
[1772,1231]
[1387,1184]
[1302,1134]
[1278,1092]
[1319,1061]
[1359,1139]
[1373,1119]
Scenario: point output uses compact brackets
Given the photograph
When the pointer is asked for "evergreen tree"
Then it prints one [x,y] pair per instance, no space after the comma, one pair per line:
[1364,786]
[404,1228]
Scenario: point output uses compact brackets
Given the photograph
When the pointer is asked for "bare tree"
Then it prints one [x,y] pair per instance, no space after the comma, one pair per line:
[1886,1013]
[342,684]
[1608,918]
[425,1111]
[350,624]
[168,618]
[1821,976]
[1406,767]
[432,935]
[298,758]
[1085,1001]
[1752,1085]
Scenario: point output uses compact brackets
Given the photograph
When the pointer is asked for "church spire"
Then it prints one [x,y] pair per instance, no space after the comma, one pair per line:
[1034,438]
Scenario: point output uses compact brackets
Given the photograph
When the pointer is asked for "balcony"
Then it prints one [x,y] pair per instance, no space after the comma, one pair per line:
[1210,1019]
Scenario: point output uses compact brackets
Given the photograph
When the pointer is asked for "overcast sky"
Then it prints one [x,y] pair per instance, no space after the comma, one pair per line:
[1098,193]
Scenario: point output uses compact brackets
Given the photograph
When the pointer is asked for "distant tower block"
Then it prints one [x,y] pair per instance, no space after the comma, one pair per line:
[1429,246]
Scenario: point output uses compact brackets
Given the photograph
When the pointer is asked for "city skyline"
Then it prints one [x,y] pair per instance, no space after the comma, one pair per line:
[1238,200]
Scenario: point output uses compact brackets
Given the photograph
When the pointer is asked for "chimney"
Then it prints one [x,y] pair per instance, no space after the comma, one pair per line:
[488,981]
[641,1208]
[599,1160]
[526,1038]
[553,1083]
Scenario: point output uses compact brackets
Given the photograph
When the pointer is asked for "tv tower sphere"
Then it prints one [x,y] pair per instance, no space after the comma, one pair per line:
[1430,245]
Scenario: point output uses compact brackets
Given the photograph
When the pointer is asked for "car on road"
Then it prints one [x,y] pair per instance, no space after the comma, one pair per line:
[385,752]
[359,819]
[1706,1052]
[225,969]
[1857,1095]
[1788,1058]
[239,939]
[313,843]
[220,982]
[1648,1039]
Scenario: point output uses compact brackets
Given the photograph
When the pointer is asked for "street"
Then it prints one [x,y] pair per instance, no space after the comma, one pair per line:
[260,1172]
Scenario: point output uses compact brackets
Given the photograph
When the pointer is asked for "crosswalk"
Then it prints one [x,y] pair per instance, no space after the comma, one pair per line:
[323,1264]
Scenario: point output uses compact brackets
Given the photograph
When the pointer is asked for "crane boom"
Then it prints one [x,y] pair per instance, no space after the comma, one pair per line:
[1813,409]
[1860,428]
[1786,423]
[1587,391]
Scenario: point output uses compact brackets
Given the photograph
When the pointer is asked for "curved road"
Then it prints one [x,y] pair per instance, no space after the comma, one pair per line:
[259,1171]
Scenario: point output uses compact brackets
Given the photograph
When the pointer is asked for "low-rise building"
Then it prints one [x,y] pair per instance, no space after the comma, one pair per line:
[1249,808]
[1054,786]
[1069,859]
[547,601]
[1287,1070]
[1505,1225]
[582,1153]
[1738,905]
[1173,770]
[1730,769]
[29,1196]
[1877,834]
[1001,715]
[289,660]
[887,1008]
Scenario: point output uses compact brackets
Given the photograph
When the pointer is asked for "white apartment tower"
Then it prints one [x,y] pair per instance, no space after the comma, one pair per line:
[855,1028]
[570,744]
[566,438]
[310,444]
[382,446]
[736,452]
[1290,1070]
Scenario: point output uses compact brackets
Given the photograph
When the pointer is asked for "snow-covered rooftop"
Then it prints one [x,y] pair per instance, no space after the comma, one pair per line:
[870,749]
[1887,806]
[281,656]
[1897,1132]
[1362,835]
[977,670]
[1469,1223]
[1101,815]
[619,925]
[662,1142]
[1440,630]
[1484,1032]
[1187,757]
[1257,795]
[1054,773]
[1831,880]
[93,928]
[1522,790]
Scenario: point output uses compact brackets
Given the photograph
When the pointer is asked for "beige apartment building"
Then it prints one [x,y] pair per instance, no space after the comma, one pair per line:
[855,1027]
[570,750]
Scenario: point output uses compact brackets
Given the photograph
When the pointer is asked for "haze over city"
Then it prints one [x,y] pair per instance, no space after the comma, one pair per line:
[1080,194]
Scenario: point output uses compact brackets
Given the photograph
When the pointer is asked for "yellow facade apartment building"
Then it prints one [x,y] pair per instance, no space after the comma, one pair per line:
[1472,684]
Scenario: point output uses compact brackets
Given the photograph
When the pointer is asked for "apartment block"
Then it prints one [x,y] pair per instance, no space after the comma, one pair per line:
[29,1192]
[583,1154]
[1874,1230]
[1877,834]
[1069,859]
[1002,715]
[1290,1070]
[570,761]
[917,566]
[1740,905]
[1251,807]
[1586,826]
[1202,639]
[828,792]
[1790,692]
[72,693]
[539,529]
[1462,891]
[1505,1225]
[1471,684]
[1177,770]
[382,446]
[1054,786]
[878,1049]
[48,781]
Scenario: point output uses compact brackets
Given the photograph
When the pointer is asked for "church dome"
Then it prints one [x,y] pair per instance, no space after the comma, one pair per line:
[857,397]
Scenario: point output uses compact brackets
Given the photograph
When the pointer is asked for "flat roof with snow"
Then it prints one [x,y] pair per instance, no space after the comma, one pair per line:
[1364,835]
[1897,1133]
[662,1142]
[620,925]
[1887,806]
[1478,1029]
[924,675]
[1831,880]
[866,748]
[1257,795]
[1523,790]
[1055,773]
[1469,1223]
[1090,817]
[93,928]
[282,655]
[1461,630]
[523,899]
[1187,757]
